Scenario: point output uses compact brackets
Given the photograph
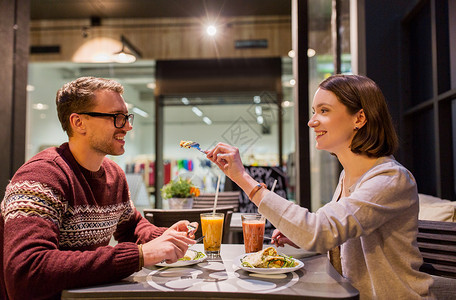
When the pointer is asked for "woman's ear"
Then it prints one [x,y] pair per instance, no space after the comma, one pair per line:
[77,124]
[360,120]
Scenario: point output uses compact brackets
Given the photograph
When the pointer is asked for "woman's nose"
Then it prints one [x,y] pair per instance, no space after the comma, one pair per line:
[313,123]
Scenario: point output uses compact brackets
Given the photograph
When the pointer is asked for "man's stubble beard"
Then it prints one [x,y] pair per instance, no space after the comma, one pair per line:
[105,146]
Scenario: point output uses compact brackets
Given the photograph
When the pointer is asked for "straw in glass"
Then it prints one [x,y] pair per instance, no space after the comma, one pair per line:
[273,186]
[216,194]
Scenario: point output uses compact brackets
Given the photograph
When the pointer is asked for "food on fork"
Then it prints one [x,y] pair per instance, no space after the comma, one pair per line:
[190,144]
[268,258]
[186,144]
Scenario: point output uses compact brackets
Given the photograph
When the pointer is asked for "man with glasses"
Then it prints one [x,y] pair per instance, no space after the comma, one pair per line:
[62,207]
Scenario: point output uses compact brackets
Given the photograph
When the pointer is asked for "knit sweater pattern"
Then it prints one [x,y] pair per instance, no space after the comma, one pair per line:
[57,220]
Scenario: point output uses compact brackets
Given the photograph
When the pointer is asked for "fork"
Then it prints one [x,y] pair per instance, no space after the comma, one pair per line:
[199,239]
[196,146]
[269,238]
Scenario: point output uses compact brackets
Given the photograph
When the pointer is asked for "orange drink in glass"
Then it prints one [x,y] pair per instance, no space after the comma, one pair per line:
[212,227]
[253,231]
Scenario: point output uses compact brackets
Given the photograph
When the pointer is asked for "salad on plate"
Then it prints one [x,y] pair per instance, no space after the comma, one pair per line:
[268,261]
[191,257]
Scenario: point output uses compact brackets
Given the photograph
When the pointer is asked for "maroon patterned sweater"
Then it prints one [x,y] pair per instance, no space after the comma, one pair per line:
[56,221]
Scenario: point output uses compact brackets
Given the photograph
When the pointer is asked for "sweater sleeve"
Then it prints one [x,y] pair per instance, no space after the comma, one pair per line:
[36,267]
[50,245]
[137,229]
[373,202]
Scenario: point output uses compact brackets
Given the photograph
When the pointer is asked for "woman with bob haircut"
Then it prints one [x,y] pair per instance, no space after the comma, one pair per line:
[373,216]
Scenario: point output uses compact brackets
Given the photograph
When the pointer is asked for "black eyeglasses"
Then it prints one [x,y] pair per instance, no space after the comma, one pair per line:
[119,118]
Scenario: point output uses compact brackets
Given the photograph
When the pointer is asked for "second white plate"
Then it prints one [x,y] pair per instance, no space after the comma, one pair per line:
[237,263]
[182,263]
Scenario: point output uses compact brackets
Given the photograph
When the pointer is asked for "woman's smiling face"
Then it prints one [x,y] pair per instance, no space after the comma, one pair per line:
[333,125]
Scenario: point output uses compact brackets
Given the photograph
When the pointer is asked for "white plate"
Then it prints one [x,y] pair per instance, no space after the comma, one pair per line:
[237,263]
[182,263]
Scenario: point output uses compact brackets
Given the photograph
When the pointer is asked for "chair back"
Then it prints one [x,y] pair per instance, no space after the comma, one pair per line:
[167,217]
[437,244]
[223,199]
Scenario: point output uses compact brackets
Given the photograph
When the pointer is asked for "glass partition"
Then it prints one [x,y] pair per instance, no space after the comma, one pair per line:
[44,129]
[247,120]
[325,168]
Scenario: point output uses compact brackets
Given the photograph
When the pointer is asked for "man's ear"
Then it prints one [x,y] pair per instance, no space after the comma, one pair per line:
[360,119]
[77,124]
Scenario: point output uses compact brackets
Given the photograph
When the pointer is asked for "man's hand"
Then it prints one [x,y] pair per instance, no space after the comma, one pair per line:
[183,226]
[170,246]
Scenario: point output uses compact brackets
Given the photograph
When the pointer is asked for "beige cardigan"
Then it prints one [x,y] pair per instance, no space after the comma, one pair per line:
[376,227]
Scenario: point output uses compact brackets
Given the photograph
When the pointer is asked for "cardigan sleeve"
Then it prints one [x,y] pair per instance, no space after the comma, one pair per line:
[381,194]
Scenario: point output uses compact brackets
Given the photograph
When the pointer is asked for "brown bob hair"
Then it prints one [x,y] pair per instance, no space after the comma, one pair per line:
[377,137]
[77,96]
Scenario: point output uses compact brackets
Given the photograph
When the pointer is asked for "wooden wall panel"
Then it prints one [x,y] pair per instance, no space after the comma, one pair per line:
[167,39]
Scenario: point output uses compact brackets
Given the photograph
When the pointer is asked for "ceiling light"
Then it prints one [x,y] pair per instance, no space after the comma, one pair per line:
[257,99]
[127,54]
[102,58]
[151,85]
[258,110]
[260,120]
[140,112]
[287,103]
[311,52]
[211,30]
[124,57]
[207,121]
[292,82]
[96,50]
[185,101]
[197,111]
[40,106]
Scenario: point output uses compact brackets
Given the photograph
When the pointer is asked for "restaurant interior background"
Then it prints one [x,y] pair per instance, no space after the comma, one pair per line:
[199,115]
[411,55]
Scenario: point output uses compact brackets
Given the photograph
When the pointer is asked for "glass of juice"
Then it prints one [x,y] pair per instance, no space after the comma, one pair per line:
[253,230]
[212,227]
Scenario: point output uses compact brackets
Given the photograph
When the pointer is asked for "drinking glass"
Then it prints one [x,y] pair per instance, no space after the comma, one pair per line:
[253,231]
[212,227]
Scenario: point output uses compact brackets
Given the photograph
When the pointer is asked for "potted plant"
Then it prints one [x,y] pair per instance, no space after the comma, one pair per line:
[180,193]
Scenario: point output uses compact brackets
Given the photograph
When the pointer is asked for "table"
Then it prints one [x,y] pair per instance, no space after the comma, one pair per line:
[236,222]
[220,279]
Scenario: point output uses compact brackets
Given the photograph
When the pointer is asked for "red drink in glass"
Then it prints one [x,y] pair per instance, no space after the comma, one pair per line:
[253,230]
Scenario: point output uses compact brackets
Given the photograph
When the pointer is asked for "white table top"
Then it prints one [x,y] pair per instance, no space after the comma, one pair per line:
[220,278]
